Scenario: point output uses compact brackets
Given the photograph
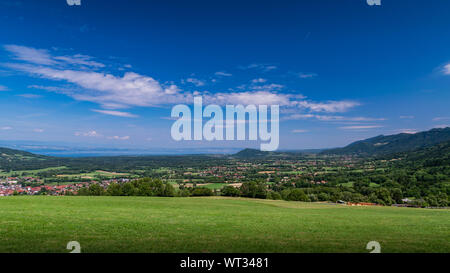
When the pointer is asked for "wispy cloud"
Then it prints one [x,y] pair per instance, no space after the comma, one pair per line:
[79,59]
[30,96]
[119,137]
[31,55]
[298,131]
[223,74]
[43,57]
[95,134]
[108,90]
[307,75]
[447,69]
[258,98]
[406,117]
[3,88]
[38,130]
[114,92]
[441,118]
[268,87]
[331,118]
[195,82]
[115,113]
[406,131]
[261,67]
[259,80]
[329,106]
[6,128]
[261,85]
[92,133]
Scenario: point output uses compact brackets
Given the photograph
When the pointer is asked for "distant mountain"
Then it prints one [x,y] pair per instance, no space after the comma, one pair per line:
[254,153]
[383,145]
[436,155]
[7,154]
[251,153]
[15,159]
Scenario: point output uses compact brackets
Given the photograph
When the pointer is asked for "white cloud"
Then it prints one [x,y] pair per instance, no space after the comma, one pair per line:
[223,74]
[331,118]
[30,96]
[297,131]
[441,118]
[79,59]
[447,69]
[262,67]
[3,88]
[246,98]
[6,128]
[108,90]
[407,131]
[119,137]
[259,80]
[29,54]
[360,127]
[307,75]
[43,57]
[267,87]
[195,82]
[136,90]
[115,113]
[89,134]
[38,130]
[329,106]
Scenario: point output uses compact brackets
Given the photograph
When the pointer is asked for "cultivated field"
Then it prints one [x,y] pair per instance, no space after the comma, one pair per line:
[143,224]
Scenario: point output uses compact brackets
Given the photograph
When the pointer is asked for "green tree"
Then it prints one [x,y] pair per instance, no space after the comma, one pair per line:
[229,191]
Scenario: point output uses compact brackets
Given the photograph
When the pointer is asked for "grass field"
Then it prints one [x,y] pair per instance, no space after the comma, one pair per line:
[143,224]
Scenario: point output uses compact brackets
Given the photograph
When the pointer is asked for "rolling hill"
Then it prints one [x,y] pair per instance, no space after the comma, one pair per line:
[9,155]
[383,145]
[16,159]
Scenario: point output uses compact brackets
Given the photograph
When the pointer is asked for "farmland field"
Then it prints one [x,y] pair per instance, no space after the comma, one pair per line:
[215,224]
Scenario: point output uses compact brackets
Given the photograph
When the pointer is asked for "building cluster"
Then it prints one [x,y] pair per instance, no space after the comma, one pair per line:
[19,186]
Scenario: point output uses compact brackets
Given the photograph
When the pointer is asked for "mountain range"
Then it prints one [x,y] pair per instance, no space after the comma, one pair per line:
[433,141]
[391,144]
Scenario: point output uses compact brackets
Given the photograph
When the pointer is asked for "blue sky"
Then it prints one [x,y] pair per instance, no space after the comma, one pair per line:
[109,72]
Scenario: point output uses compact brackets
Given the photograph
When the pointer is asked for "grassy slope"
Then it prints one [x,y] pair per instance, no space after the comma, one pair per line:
[140,224]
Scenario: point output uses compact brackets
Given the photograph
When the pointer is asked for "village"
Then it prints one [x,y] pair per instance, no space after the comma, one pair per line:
[24,186]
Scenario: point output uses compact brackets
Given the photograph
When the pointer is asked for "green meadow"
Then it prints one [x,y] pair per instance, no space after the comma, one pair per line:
[213,224]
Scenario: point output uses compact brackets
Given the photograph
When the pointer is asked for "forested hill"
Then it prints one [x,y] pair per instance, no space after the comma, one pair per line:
[383,145]
[15,159]
[8,155]
[257,154]
[434,156]
[251,153]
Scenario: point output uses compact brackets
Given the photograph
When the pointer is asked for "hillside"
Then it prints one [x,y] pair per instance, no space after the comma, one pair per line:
[11,155]
[251,153]
[437,155]
[255,154]
[11,159]
[160,224]
[383,145]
